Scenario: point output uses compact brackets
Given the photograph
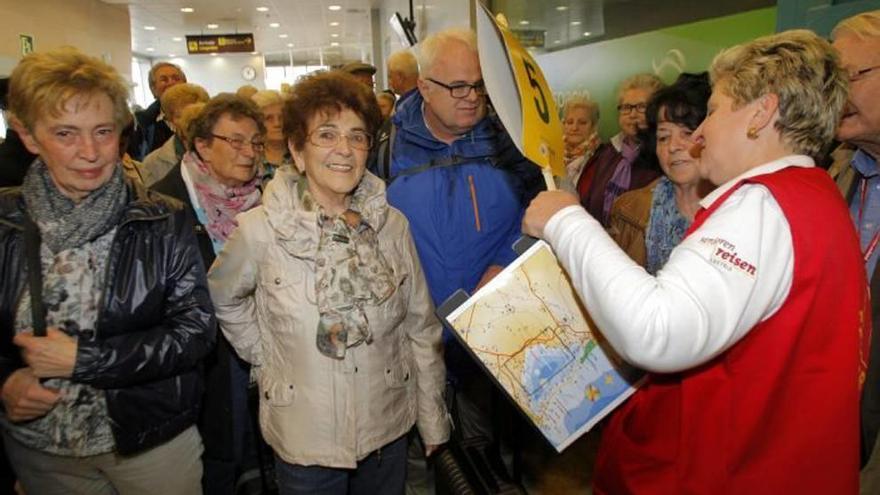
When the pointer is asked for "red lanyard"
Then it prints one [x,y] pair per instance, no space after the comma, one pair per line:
[863,191]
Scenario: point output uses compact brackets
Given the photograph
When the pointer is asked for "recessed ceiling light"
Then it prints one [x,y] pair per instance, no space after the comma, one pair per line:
[556,42]
[561,7]
[334,7]
[150,49]
[334,23]
[334,35]
[334,43]
[187,10]
[212,26]
[177,38]
[255,53]
[575,23]
[523,23]
[290,45]
[587,33]
[172,55]
[274,24]
[282,36]
[262,9]
[213,54]
[150,28]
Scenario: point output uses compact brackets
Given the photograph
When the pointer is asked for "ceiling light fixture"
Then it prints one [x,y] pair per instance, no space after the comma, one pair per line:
[213,54]
[334,44]
[150,28]
[523,23]
[187,10]
[575,23]
[587,33]
[177,38]
[334,8]
[334,23]
[290,45]
[212,26]
[150,49]
[262,9]
[334,35]
[282,36]
[561,8]
[171,55]
[274,25]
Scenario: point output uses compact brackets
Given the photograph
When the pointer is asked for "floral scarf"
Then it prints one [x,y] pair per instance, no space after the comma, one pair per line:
[578,155]
[220,202]
[666,226]
[351,272]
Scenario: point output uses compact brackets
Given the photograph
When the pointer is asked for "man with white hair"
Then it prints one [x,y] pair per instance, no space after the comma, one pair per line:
[857,40]
[403,72]
[452,175]
[152,129]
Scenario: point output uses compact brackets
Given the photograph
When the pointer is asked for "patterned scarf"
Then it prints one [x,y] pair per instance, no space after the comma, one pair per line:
[666,226]
[65,224]
[351,272]
[220,202]
[577,155]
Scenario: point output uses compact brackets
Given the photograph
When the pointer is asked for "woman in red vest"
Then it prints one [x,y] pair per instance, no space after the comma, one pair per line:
[754,331]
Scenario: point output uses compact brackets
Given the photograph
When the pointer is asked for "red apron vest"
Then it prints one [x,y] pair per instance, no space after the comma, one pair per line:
[777,413]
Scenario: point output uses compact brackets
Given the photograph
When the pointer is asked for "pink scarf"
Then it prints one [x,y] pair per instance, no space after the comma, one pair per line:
[220,203]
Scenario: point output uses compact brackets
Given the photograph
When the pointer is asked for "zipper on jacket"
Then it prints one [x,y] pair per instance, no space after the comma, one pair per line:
[474,202]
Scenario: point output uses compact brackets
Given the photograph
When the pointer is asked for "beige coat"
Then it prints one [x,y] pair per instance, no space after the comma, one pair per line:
[315,409]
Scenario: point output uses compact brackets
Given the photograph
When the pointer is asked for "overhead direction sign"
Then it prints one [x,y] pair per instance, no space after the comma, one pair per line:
[219,43]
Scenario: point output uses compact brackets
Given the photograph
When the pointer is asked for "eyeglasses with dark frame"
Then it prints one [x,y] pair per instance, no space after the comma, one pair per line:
[862,73]
[462,90]
[328,137]
[238,143]
[627,108]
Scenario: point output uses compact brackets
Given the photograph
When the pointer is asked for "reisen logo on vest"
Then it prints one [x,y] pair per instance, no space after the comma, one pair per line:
[724,255]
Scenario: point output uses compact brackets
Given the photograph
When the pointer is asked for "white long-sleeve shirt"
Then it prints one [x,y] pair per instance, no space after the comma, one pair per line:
[730,274]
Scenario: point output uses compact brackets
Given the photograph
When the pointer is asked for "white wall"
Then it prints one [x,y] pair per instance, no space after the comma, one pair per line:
[96,28]
[221,73]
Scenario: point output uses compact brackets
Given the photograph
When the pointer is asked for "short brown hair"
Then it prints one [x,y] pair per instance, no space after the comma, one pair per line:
[327,92]
[43,82]
[223,104]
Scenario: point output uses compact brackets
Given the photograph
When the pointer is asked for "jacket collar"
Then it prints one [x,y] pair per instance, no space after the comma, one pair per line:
[295,229]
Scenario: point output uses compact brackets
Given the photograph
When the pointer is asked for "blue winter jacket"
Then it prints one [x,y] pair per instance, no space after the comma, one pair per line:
[463,218]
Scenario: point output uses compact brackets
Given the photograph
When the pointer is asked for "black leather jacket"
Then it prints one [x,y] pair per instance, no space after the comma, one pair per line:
[155,325]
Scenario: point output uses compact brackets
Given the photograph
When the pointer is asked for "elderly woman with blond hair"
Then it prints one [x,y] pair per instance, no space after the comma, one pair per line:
[755,330]
[616,167]
[106,401]
[320,288]
[580,128]
[275,154]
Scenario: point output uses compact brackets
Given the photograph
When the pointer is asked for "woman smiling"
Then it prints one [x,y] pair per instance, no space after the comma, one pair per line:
[321,290]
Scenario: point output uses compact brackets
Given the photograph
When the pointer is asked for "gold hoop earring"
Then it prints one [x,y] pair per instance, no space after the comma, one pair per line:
[752,133]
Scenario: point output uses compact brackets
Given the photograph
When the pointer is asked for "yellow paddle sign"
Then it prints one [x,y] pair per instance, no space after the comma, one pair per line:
[520,94]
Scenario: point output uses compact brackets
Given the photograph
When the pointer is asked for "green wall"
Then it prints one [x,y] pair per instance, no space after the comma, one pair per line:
[599,67]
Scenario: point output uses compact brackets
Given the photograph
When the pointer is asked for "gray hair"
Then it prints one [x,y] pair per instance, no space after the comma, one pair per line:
[267,97]
[647,81]
[151,77]
[433,45]
[579,100]
[405,62]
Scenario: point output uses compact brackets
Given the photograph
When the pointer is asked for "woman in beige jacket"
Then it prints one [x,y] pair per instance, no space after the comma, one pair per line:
[321,290]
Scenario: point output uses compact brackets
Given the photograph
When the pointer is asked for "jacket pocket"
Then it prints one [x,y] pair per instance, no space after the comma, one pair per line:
[276,393]
[397,375]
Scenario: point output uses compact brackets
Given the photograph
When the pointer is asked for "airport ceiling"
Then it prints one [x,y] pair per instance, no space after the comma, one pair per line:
[336,31]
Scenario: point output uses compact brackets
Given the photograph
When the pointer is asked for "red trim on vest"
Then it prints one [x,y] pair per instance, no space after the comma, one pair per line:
[778,412]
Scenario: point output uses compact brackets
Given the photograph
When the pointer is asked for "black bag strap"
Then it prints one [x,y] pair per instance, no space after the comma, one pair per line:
[35,275]
[446,161]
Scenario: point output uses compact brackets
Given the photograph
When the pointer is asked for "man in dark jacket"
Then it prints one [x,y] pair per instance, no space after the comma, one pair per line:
[152,130]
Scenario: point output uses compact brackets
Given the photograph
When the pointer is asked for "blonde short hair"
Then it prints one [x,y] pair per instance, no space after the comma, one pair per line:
[645,81]
[267,98]
[864,25]
[180,95]
[582,101]
[187,115]
[433,45]
[802,70]
[405,62]
[43,82]
[247,91]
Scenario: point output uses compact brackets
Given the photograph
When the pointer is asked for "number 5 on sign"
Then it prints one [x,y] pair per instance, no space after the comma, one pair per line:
[520,95]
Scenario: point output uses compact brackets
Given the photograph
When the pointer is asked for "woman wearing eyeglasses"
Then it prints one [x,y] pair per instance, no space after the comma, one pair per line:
[616,164]
[320,289]
[218,178]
